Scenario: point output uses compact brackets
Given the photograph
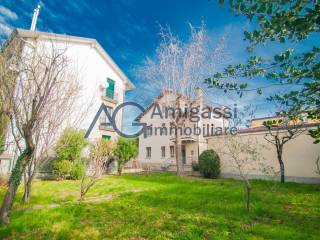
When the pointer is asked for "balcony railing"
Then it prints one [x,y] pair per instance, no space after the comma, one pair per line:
[114,99]
[105,126]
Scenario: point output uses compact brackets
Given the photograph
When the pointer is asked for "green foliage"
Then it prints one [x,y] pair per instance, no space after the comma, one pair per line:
[209,164]
[126,150]
[62,168]
[2,145]
[70,145]
[189,208]
[195,166]
[77,171]
[282,21]
[315,133]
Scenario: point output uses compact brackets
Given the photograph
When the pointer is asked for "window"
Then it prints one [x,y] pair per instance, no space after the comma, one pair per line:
[163,151]
[110,88]
[172,151]
[104,119]
[148,152]
[149,129]
[106,137]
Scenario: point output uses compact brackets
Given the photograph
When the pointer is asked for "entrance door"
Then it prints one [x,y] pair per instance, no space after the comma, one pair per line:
[183,154]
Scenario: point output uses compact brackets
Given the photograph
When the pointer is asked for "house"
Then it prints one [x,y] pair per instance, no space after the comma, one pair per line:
[157,144]
[101,82]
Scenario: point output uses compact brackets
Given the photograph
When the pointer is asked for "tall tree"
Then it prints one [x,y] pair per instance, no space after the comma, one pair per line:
[42,83]
[178,68]
[283,21]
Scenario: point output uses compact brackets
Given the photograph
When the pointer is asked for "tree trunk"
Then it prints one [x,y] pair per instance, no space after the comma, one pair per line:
[13,184]
[279,155]
[248,195]
[28,178]
[178,149]
[27,190]
[119,170]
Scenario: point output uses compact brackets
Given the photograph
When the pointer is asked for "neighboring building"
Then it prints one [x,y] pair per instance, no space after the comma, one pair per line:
[156,150]
[299,154]
[101,81]
[303,120]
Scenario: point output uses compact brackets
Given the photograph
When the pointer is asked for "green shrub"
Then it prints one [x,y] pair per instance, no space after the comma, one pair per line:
[195,166]
[62,168]
[126,150]
[209,164]
[71,144]
[77,171]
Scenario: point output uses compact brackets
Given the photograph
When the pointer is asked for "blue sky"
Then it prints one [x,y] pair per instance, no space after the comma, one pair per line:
[128,29]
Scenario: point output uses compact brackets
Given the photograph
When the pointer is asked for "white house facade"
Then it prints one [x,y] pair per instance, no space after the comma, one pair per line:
[100,79]
[157,151]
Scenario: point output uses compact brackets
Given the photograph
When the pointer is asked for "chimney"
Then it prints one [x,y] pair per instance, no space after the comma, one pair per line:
[35,18]
[199,94]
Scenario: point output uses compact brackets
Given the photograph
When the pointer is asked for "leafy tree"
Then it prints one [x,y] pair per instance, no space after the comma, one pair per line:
[71,144]
[126,150]
[283,21]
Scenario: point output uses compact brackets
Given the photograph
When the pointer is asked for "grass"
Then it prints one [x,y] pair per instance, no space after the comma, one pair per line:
[163,206]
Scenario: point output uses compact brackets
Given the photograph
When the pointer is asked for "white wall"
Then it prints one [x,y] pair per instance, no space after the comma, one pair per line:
[92,72]
[299,156]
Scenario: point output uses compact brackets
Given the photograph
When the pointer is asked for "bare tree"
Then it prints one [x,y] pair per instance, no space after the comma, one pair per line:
[46,134]
[281,130]
[42,84]
[179,68]
[244,156]
[100,152]
[243,153]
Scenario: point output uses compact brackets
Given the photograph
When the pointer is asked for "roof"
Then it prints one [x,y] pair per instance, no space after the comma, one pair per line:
[157,99]
[263,128]
[90,41]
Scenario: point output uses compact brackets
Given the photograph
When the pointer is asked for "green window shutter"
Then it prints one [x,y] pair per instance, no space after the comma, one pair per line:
[110,89]
[106,137]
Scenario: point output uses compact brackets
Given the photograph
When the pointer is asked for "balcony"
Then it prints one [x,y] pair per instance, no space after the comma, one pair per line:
[104,97]
[185,139]
[105,127]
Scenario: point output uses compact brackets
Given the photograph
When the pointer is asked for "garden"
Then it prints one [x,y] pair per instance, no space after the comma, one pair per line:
[164,206]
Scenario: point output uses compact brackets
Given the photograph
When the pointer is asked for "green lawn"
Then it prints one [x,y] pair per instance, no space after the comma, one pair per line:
[162,206]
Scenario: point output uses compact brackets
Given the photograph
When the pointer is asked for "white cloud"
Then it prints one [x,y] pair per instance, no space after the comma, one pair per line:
[5,30]
[8,13]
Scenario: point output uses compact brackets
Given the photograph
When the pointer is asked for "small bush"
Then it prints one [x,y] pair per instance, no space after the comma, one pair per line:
[195,166]
[62,168]
[77,171]
[209,164]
